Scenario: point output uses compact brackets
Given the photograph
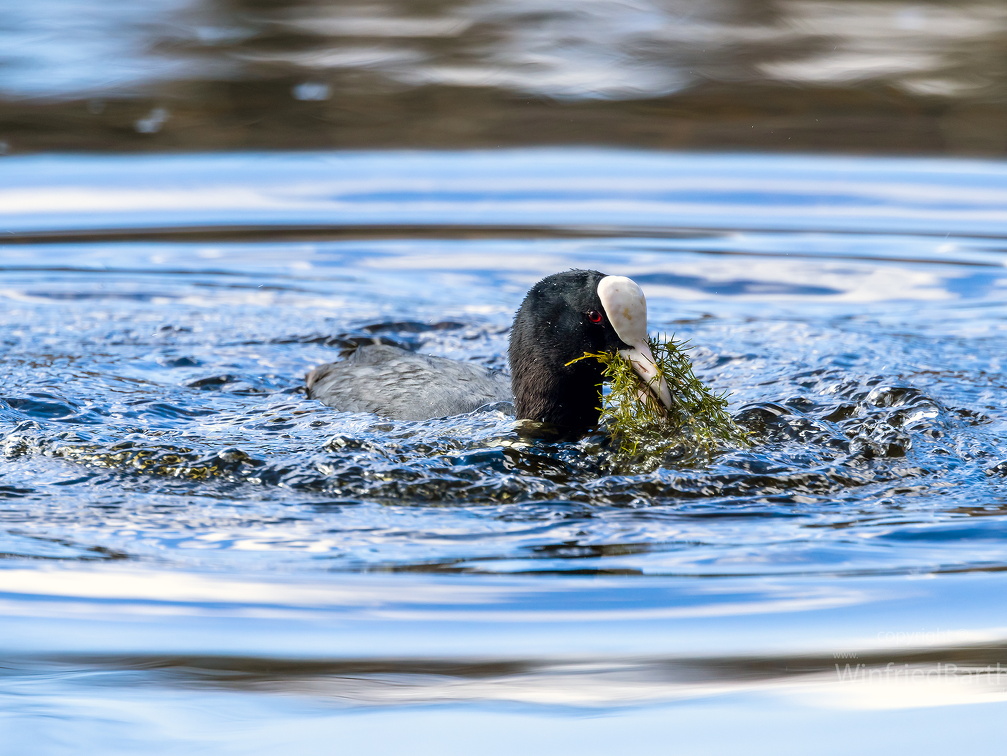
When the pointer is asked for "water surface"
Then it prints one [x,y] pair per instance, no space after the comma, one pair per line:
[878,76]
[196,555]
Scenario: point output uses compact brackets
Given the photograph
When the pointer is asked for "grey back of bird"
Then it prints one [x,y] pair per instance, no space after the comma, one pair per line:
[401,385]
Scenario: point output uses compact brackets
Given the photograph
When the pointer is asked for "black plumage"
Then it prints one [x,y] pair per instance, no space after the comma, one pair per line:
[560,319]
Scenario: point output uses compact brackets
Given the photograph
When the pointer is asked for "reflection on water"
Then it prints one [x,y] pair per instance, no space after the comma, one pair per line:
[187,542]
[172,661]
[878,75]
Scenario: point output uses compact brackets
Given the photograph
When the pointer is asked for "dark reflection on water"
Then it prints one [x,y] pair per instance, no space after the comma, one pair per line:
[873,75]
[601,683]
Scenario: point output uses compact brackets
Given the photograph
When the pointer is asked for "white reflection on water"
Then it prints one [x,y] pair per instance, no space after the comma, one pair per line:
[595,49]
[558,187]
[650,49]
[51,48]
[917,47]
[540,643]
[181,593]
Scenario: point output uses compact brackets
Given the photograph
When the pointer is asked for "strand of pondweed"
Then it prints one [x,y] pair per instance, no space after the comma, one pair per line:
[643,431]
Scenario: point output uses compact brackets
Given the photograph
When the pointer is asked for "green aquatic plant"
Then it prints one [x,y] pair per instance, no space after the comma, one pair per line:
[644,433]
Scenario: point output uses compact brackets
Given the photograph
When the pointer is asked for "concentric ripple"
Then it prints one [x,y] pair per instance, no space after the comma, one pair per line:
[165,421]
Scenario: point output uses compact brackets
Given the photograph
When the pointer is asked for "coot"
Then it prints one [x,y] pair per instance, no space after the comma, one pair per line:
[562,317]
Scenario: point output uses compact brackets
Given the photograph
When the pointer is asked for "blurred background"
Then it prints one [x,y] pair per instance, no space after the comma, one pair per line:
[855,76]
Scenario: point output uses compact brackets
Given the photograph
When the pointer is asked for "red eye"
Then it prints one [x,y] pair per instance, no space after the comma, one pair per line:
[594,316]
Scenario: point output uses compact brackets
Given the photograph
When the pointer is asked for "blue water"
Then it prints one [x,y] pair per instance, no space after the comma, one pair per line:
[198,558]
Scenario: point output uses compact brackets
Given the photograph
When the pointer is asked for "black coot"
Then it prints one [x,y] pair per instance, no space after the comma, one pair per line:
[562,317]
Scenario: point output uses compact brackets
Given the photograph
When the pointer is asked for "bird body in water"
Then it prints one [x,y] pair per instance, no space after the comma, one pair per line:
[562,317]
[423,386]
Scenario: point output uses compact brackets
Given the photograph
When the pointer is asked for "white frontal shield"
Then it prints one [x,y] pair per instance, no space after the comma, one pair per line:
[626,308]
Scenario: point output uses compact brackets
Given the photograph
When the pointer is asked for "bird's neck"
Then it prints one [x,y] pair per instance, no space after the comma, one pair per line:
[565,397]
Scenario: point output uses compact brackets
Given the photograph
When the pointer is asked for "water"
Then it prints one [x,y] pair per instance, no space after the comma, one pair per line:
[198,557]
[883,76]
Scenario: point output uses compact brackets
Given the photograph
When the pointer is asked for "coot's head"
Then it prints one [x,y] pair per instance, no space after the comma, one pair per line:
[562,317]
